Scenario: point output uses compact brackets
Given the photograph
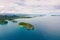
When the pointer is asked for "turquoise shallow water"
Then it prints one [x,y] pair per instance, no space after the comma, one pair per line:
[45,28]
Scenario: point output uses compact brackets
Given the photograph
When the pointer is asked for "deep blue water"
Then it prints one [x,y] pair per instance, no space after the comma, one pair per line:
[45,28]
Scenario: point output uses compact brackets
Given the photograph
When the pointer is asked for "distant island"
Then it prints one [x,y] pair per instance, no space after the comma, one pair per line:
[3,18]
[11,17]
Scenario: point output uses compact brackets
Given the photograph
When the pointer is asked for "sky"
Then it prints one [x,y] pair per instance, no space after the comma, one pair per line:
[29,6]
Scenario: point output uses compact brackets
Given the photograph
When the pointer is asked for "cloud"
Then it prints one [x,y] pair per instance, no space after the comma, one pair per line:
[29,6]
[57,7]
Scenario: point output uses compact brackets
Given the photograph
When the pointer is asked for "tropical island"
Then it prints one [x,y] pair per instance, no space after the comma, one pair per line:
[3,18]
[12,17]
[26,25]
[3,22]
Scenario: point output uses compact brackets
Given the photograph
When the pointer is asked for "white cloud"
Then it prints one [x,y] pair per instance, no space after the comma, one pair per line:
[29,6]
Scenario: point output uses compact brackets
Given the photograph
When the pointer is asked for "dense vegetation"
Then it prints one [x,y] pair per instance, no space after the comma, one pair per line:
[11,17]
[26,25]
[3,18]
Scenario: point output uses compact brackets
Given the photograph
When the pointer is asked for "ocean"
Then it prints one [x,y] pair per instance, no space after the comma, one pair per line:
[45,28]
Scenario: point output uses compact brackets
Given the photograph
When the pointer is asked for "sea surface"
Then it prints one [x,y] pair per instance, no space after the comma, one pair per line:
[45,28]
